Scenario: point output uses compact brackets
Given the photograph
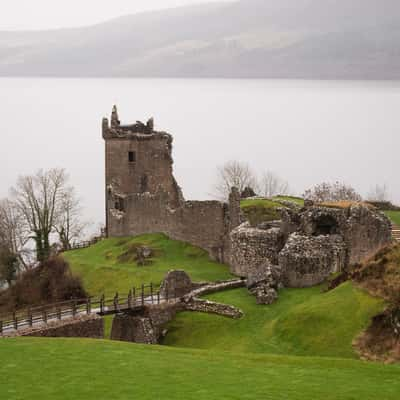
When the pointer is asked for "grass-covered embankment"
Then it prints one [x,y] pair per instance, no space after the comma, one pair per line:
[58,369]
[258,210]
[110,266]
[302,322]
[394,216]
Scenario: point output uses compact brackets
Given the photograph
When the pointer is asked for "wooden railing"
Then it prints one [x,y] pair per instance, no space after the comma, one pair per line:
[83,245]
[37,316]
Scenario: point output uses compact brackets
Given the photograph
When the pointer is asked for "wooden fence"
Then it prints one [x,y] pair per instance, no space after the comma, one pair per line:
[37,316]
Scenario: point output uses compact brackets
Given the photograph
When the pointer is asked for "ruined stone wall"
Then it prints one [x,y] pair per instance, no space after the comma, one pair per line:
[309,260]
[312,243]
[252,248]
[366,233]
[142,195]
[201,223]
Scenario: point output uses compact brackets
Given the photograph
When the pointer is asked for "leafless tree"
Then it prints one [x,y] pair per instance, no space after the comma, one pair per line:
[14,234]
[273,185]
[379,193]
[233,174]
[337,191]
[68,224]
[38,198]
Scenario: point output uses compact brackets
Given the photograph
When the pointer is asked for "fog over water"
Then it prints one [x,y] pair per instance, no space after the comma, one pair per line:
[305,131]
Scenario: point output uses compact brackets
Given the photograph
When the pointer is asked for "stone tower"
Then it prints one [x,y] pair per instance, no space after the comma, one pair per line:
[142,195]
[138,162]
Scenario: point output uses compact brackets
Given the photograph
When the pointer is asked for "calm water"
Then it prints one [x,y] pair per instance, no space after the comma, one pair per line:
[305,131]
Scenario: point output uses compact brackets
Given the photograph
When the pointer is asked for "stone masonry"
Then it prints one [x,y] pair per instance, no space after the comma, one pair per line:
[142,195]
[311,243]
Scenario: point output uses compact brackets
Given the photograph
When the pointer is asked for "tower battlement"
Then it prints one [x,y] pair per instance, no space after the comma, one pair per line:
[114,129]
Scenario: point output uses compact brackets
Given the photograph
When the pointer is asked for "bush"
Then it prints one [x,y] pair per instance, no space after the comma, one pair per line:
[51,282]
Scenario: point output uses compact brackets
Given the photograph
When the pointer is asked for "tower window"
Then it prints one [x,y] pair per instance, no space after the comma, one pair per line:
[132,156]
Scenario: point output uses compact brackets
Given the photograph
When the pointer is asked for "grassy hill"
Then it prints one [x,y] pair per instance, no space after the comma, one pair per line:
[110,266]
[302,322]
[53,369]
[394,216]
[264,210]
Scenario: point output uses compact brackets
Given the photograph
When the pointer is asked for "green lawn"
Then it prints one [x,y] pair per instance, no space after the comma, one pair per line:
[104,269]
[66,369]
[298,200]
[302,322]
[260,210]
[394,216]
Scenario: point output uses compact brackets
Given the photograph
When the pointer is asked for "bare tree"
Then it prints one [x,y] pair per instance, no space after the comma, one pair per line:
[68,224]
[38,199]
[234,174]
[14,235]
[337,191]
[379,193]
[273,185]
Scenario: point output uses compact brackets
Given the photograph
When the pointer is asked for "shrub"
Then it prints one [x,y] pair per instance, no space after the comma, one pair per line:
[51,282]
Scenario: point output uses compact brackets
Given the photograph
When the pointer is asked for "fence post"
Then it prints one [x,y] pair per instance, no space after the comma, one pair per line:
[151,293]
[15,320]
[130,299]
[59,316]
[30,317]
[116,302]
[88,306]
[74,308]
[158,297]
[1,327]
[45,316]
[102,304]
[142,295]
[134,295]
[166,292]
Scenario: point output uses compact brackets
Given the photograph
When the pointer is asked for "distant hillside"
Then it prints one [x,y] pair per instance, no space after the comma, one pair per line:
[349,39]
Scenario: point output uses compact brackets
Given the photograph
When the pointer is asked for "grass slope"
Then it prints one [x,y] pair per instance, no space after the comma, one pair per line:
[104,269]
[301,322]
[58,369]
[260,210]
[394,216]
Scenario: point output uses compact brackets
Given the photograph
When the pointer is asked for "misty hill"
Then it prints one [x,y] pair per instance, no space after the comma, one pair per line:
[350,39]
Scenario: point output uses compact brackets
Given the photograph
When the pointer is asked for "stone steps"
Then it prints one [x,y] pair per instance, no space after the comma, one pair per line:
[396,232]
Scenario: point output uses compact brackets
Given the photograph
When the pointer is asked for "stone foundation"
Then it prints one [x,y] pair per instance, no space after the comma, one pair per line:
[90,326]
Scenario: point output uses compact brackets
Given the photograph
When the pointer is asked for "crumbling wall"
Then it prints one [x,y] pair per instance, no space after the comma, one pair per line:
[142,195]
[366,232]
[251,248]
[308,261]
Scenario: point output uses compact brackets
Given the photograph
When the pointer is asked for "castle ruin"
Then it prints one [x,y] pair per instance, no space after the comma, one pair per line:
[303,248]
[142,195]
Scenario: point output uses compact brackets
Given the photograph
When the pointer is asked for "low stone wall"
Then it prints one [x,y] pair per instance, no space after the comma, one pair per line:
[211,307]
[217,287]
[88,326]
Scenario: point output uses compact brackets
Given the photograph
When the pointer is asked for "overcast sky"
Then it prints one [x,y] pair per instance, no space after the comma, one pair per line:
[44,14]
